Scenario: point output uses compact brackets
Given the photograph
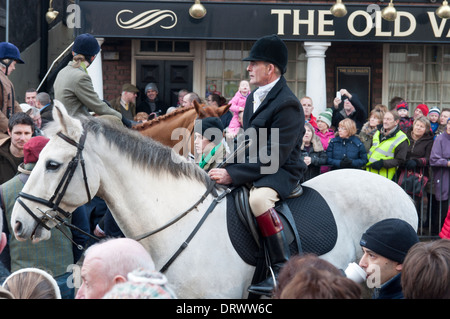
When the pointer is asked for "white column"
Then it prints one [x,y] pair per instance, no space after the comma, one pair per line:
[316,84]
[95,71]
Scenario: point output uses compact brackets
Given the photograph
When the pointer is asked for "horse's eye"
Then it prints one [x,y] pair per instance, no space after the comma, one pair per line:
[52,165]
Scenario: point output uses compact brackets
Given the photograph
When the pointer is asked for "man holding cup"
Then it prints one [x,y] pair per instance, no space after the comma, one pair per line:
[385,245]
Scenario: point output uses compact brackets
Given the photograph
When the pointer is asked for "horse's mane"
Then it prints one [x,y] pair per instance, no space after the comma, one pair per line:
[141,150]
[162,118]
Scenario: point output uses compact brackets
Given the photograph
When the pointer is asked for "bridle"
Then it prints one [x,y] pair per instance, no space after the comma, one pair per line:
[54,202]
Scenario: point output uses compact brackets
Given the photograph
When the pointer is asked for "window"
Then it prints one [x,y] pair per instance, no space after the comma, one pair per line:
[420,74]
[225,68]
[154,46]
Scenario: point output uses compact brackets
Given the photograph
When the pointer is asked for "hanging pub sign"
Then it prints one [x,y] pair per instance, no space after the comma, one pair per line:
[249,21]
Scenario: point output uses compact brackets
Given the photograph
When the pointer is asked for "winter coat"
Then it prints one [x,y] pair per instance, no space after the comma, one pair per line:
[366,135]
[7,101]
[145,106]
[237,102]
[73,88]
[351,148]
[392,289]
[318,157]
[281,111]
[439,157]
[405,123]
[313,121]
[445,231]
[420,150]
[8,162]
[116,105]
[325,137]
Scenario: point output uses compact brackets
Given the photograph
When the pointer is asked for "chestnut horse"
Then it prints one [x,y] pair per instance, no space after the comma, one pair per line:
[175,129]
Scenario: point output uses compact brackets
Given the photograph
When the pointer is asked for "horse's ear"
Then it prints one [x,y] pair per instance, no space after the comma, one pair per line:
[197,107]
[68,124]
[223,109]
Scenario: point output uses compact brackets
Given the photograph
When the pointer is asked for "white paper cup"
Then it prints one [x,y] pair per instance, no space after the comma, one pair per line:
[355,273]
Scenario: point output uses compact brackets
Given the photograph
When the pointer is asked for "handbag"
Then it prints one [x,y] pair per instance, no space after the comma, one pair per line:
[413,182]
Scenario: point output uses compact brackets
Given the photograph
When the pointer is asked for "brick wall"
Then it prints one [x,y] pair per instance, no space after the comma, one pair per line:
[355,54]
[116,72]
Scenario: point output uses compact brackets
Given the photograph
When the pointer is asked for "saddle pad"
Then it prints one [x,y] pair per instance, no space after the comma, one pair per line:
[313,217]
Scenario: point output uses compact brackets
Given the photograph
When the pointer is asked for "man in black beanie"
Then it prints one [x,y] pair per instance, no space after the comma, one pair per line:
[275,117]
[385,245]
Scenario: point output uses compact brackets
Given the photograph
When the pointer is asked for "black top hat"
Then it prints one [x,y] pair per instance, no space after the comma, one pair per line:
[270,49]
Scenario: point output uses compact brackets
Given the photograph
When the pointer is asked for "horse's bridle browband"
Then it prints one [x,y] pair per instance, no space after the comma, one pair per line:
[60,189]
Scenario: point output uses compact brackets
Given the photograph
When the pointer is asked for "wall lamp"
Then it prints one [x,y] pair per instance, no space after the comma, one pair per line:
[197,10]
[51,14]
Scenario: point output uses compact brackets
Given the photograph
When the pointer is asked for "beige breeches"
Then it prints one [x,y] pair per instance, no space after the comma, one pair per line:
[261,199]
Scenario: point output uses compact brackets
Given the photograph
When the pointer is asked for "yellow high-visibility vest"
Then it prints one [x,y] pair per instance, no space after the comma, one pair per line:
[384,150]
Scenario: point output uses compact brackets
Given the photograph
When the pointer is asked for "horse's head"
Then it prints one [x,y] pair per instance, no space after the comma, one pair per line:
[56,186]
[204,111]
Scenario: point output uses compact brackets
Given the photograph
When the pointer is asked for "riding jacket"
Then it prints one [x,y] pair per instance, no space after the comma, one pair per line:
[274,158]
[73,88]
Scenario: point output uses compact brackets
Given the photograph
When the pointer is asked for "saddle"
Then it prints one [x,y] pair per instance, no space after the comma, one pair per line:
[308,222]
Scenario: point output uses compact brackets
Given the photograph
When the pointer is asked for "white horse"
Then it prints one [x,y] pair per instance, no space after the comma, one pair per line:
[146,186]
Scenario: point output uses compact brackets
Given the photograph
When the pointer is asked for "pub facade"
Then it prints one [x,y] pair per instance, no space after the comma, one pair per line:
[159,41]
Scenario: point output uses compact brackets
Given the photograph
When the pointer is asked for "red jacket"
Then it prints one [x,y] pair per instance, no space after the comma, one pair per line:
[445,231]
[312,121]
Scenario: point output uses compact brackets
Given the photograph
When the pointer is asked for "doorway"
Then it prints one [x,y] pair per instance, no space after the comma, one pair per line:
[170,77]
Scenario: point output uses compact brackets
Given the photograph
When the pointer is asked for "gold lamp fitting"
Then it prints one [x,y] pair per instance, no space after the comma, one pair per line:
[443,11]
[389,13]
[197,10]
[51,14]
[338,9]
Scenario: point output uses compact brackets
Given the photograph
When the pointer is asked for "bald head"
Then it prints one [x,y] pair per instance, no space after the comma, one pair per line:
[108,263]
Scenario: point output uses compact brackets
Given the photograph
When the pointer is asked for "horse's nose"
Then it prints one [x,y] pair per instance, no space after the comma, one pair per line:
[18,229]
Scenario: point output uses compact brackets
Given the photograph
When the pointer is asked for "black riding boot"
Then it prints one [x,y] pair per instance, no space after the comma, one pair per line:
[277,248]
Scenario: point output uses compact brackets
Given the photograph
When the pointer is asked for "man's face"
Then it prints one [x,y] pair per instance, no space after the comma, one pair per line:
[417,112]
[258,72]
[30,98]
[307,107]
[11,67]
[20,134]
[129,97]
[388,121]
[444,117]
[94,282]
[348,106]
[378,267]
[186,101]
[152,94]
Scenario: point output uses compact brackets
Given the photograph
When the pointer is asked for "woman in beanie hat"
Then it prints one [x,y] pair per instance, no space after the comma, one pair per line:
[324,131]
[385,245]
[208,142]
[73,85]
[421,109]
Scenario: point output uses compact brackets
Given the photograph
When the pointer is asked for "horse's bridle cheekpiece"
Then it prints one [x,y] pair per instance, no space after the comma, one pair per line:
[60,191]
